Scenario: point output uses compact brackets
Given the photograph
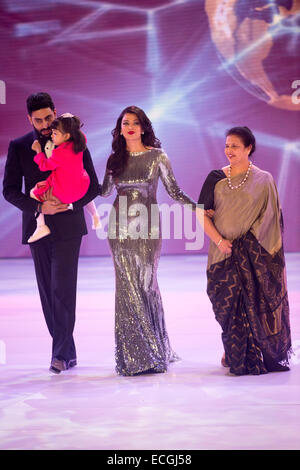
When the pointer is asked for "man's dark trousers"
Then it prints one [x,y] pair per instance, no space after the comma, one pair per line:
[56,266]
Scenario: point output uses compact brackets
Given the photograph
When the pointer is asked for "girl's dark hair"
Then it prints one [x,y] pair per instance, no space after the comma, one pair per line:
[118,159]
[245,134]
[71,125]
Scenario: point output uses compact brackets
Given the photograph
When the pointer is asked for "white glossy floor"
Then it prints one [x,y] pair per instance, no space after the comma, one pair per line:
[196,405]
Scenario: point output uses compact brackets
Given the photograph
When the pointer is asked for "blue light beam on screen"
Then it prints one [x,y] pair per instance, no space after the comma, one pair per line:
[276,29]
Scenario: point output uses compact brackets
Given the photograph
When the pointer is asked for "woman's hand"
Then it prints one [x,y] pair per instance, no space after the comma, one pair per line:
[205,219]
[36,146]
[225,246]
[209,213]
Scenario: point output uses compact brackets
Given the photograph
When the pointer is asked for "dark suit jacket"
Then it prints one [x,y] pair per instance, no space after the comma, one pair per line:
[21,167]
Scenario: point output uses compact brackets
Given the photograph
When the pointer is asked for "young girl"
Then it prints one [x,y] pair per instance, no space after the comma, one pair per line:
[69,180]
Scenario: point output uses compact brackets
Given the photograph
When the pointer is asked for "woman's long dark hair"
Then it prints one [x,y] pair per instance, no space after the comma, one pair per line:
[71,125]
[118,159]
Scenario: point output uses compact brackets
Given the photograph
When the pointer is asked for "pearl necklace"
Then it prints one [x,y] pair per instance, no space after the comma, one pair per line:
[242,182]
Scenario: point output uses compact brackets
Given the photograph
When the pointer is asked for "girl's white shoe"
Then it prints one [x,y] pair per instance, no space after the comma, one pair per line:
[40,232]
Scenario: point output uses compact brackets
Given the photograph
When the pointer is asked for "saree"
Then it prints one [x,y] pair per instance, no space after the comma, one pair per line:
[247,288]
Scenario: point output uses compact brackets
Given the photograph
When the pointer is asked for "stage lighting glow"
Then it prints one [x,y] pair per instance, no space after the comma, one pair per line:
[192,65]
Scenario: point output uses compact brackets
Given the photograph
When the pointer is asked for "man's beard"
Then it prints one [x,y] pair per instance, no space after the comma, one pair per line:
[43,138]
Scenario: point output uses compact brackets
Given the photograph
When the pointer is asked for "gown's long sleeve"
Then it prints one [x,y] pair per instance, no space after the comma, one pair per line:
[167,176]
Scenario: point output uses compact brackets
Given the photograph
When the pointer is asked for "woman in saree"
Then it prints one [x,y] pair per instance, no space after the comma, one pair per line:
[246,277]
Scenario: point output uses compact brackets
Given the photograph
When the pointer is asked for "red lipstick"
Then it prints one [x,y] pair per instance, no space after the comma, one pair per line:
[131,132]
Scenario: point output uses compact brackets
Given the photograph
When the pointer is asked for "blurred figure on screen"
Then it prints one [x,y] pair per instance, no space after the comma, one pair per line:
[246,268]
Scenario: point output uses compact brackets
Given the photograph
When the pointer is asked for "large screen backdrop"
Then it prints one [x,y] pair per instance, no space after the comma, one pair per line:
[196,68]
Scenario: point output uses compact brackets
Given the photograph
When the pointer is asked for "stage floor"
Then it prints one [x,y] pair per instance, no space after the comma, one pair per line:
[195,405]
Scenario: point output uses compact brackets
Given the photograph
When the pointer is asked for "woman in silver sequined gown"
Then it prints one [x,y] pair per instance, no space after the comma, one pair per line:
[142,343]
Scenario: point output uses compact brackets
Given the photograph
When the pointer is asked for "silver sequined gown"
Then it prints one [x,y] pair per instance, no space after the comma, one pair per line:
[142,342]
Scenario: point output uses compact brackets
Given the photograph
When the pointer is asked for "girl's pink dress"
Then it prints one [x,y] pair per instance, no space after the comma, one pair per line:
[68,178]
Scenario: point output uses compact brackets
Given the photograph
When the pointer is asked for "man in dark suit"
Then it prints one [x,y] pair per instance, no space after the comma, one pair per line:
[56,255]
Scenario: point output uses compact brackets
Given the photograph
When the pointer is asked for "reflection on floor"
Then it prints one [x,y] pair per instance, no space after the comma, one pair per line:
[195,405]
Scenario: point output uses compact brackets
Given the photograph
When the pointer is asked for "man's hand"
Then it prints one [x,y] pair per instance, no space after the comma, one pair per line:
[36,146]
[52,205]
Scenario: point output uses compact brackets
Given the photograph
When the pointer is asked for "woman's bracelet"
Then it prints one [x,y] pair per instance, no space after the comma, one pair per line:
[219,242]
